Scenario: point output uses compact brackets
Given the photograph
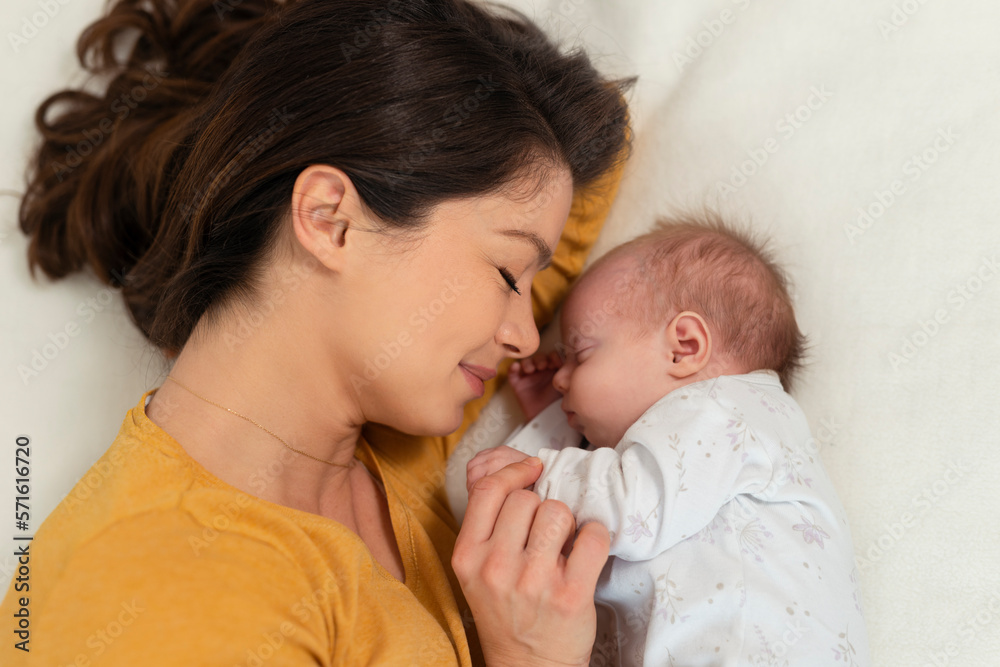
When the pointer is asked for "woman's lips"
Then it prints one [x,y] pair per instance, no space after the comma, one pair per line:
[474,379]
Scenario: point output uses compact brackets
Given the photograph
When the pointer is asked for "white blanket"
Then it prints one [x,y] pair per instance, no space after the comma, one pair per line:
[863,138]
[861,135]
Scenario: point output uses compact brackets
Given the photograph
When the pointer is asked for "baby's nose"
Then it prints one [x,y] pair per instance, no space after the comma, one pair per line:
[561,380]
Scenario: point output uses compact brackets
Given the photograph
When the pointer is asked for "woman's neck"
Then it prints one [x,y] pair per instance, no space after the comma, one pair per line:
[273,385]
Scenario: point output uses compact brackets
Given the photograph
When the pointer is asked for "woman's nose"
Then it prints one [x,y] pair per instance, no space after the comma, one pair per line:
[518,334]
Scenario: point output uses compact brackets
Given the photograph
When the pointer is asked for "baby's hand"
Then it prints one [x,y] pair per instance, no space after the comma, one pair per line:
[531,380]
[489,461]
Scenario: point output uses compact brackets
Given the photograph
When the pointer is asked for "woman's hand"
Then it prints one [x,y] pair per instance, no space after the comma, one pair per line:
[533,605]
[531,380]
[490,461]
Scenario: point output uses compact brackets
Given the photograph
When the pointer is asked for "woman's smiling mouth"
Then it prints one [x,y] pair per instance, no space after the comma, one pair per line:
[477,376]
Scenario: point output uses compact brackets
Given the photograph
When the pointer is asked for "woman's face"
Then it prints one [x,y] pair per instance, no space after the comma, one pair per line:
[438,313]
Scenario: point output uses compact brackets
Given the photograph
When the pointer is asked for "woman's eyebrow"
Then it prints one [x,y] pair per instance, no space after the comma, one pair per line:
[544,252]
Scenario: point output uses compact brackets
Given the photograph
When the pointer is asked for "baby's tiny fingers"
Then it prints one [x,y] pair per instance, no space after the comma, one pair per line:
[472,479]
[475,462]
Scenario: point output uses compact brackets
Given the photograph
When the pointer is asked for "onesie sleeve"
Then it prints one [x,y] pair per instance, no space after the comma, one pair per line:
[549,429]
[665,481]
[240,598]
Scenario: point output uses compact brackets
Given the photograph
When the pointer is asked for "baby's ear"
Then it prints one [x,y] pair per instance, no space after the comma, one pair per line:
[688,344]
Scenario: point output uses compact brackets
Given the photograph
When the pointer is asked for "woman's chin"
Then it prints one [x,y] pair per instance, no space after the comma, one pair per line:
[440,424]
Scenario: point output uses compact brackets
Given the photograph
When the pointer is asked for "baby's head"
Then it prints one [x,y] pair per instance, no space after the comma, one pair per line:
[689,301]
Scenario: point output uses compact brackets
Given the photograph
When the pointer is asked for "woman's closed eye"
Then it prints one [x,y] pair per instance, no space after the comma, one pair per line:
[509,277]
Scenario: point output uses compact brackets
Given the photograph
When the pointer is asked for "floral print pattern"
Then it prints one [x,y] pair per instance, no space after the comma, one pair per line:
[727,532]
[811,532]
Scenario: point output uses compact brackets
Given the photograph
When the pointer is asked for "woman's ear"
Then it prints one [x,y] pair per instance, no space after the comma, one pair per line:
[325,212]
[688,344]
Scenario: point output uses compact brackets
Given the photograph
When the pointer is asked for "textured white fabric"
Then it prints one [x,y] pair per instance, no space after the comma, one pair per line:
[730,545]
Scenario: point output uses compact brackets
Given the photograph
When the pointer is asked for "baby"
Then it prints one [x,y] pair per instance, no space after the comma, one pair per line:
[729,544]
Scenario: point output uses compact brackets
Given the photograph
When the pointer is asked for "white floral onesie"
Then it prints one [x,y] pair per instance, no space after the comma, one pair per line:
[729,544]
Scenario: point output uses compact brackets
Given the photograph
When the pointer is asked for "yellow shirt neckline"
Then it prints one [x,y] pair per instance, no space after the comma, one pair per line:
[152,433]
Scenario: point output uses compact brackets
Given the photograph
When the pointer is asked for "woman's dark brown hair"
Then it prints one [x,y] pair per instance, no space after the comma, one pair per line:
[172,184]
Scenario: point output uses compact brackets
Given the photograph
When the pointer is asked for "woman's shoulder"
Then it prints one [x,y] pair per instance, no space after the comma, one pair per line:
[157,583]
[147,536]
[145,483]
[146,494]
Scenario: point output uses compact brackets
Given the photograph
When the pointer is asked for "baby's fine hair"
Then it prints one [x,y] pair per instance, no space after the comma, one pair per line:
[729,277]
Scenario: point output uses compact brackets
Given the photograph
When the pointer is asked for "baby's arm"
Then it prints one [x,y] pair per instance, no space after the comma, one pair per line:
[657,487]
[548,429]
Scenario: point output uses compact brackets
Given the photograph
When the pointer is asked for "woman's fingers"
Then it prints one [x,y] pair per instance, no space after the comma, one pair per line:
[487,496]
[531,603]
[590,553]
[516,517]
[553,525]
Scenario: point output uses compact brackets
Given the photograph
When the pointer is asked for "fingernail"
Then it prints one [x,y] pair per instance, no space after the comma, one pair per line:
[533,461]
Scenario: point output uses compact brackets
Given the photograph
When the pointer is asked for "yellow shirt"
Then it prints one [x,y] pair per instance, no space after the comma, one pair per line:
[152,560]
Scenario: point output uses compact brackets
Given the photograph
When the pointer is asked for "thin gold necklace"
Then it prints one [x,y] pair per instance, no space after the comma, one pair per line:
[272,434]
